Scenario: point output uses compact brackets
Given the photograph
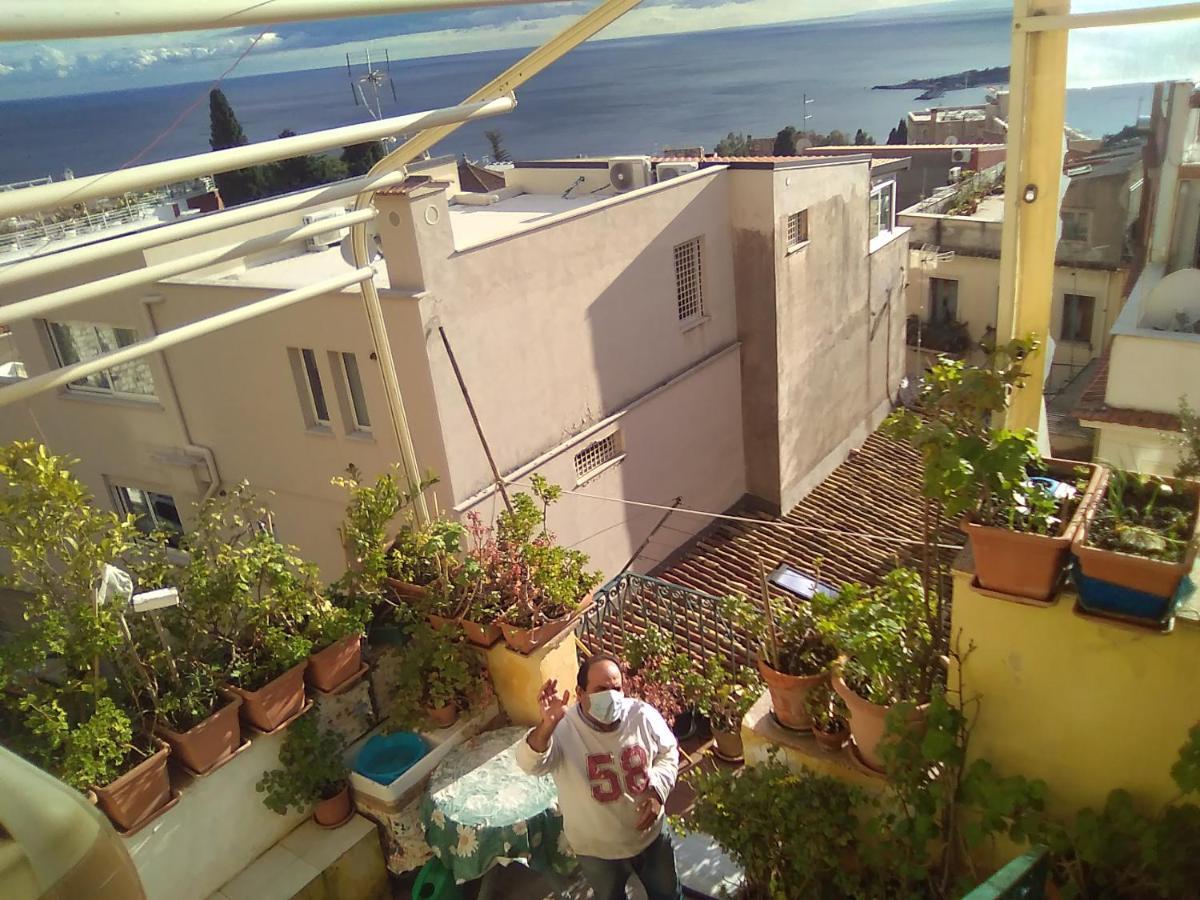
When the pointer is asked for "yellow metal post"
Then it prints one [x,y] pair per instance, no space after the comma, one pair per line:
[1037,100]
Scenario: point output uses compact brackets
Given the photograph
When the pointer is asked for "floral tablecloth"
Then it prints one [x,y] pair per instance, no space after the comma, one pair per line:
[481,809]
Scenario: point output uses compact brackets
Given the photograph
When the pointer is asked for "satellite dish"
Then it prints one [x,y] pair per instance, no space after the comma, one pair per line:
[1174,303]
[374,245]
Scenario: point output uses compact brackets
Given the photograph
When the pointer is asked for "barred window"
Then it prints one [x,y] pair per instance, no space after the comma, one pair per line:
[797,228]
[688,291]
[594,455]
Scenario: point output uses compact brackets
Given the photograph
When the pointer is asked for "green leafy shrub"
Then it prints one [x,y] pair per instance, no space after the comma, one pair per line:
[311,768]
[68,708]
[436,669]
[793,833]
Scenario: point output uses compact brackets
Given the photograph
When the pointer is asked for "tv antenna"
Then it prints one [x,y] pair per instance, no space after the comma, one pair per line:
[367,87]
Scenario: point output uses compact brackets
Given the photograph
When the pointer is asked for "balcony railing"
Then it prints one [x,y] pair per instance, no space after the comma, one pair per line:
[693,621]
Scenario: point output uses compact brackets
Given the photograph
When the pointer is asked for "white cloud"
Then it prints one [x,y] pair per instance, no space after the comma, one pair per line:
[5,70]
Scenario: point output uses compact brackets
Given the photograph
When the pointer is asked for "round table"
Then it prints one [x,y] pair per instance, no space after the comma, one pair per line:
[481,809]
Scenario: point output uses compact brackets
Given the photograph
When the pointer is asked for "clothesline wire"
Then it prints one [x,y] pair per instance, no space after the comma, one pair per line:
[749,520]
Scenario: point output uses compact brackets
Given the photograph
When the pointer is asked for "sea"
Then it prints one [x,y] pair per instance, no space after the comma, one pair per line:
[629,96]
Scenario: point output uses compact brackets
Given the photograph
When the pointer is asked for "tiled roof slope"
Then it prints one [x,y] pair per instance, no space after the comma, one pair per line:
[1092,407]
[876,491]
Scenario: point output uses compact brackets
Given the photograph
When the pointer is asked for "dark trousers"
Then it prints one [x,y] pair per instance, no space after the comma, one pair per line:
[654,867]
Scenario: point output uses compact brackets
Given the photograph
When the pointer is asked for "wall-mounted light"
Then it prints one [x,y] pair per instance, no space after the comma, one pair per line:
[1030,193]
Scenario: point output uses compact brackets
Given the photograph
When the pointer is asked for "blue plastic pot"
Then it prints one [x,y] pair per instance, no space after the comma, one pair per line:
[385,757]
[1102,597]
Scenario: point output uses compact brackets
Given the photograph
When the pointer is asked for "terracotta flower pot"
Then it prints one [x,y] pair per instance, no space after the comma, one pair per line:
[868,722]
[729,744]
[1137,573]
[332,667]
[139,793]
[276,701]
[526,640]
[443,716]
[207,743]
[833,741]
[1025,564]
[481,635]
[788,695]
[335,810]
[407,589]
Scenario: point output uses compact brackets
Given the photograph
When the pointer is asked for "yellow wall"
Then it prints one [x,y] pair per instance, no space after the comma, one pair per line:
[1086,705]
[978,280]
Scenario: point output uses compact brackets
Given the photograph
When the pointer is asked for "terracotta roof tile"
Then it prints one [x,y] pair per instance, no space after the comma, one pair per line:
[876,491]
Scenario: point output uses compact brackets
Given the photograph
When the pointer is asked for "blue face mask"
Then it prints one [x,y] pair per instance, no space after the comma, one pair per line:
[606,706]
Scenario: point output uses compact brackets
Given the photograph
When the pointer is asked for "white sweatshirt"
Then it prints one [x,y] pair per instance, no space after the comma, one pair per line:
[601,776]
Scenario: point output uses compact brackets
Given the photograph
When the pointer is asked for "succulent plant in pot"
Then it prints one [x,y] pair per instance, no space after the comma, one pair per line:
[540,584]
[336,626]
[312,774]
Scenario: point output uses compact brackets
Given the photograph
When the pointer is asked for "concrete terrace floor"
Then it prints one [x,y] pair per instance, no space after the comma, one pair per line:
[701,864]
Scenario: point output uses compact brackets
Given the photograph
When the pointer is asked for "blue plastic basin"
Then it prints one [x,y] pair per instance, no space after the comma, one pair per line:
[385,757]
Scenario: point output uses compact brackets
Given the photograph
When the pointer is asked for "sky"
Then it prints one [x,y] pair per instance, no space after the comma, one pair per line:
[55,68]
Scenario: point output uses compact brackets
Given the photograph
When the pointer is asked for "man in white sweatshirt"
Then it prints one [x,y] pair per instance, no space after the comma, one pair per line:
[614,760]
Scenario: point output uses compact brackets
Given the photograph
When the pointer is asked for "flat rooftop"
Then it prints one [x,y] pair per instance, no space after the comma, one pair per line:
[300,269]
[473,225]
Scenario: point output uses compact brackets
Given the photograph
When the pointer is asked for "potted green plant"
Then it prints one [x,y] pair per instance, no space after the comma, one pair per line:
[437,676]
[888,654]
[829,717]
[543,586]
[1020,512]
[793,657]
[665,678]
[247,599]
[67,707]
[312,774]
[371,509]
[727,693]
[336,627]
[1137,544]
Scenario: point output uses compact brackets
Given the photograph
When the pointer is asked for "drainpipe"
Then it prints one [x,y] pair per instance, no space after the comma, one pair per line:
[176,408]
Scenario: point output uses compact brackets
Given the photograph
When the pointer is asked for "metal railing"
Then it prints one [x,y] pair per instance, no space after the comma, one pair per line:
[693,621]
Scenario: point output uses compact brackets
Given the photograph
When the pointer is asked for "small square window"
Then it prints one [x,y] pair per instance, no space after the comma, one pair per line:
[1076,225]
[595,455]
[354,388]
[689,292]
[797,228]
[883,208]
[796,582]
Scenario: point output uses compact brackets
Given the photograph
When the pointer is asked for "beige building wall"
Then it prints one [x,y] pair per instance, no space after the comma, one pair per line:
[1138,449]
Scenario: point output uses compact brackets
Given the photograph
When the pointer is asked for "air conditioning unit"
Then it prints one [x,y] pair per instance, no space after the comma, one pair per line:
[955,173]
[627,173]
[668,170]
[326,239]
[961,155]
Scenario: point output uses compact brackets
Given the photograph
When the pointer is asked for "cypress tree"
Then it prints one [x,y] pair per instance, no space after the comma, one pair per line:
[240,185]
[359,158]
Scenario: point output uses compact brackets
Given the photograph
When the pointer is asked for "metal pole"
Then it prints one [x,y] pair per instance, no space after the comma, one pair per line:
[49,19]
[487,451]
[45,303]
[1108,19]
[111,184]
[30,387]
[53,264]
[1037,102]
